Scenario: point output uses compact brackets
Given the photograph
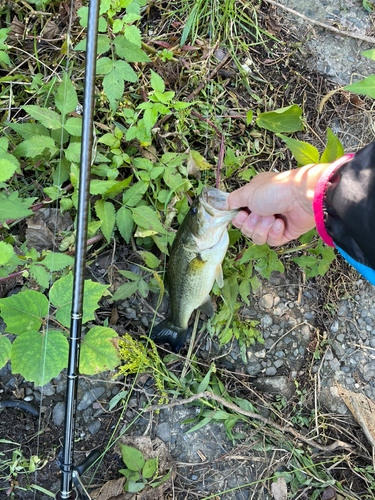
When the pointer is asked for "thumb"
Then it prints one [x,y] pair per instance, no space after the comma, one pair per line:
[241,197]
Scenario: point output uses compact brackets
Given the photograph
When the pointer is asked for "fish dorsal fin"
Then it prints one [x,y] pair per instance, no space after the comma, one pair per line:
[206,307]
[219,276]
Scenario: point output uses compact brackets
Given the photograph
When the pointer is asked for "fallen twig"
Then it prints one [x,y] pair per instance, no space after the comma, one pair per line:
[358,36]
[256,416]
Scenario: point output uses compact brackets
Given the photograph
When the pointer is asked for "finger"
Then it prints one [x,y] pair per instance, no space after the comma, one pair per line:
[240,218]
[276,234]
[257,228]
[240,197]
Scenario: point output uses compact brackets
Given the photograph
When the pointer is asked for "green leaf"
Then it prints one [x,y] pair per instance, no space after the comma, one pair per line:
[47,117]
[4,57]
[99,186]
[5,347]
[35,146]
[133,458]
[98,351]
[39,357]
[157,82]
[254,252]
[133,34]
[128,51]
[6,252]
[66,97]
[244,291]
[24,311]
[133,487]
[57,261]
[365,87]
[134,194]
[334,149]
[107,214]
[150,468]
[119,397]
[303,152]
[124,222]
[200,424]
[104,66]
[28,130]
[146,218]
[150,117]
[163,480]
[73,152]
[249,117]
[286,120]
[113,85]
[150,259]
[40,275]
[61,297]
[125,291]
[370,54]
[7,169]
[12,207]
[109,140]
[126,71]
[74,126]
[206,380]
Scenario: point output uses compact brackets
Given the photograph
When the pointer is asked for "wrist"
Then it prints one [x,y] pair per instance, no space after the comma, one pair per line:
[304,183]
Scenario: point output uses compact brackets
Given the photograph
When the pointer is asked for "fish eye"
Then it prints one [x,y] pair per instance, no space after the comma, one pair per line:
[193,210]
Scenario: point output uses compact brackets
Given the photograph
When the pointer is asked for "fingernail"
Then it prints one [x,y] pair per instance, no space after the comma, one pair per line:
[277,225]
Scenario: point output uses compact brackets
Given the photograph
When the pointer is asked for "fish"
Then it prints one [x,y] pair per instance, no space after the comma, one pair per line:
[195,262]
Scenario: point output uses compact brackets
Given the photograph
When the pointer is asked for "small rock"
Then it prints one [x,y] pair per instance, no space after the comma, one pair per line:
[275,385]
[89,397]
[338,349]
[335,326]
[369,371]
[266,302]
[267,321]
[163,432]
[95,427]
[271,371]
[58,414]
[47,389]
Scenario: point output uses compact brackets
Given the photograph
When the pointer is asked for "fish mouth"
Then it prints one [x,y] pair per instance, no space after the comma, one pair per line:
[215,202]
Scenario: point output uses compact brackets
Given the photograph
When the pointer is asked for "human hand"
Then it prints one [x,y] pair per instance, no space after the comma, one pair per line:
[277,206]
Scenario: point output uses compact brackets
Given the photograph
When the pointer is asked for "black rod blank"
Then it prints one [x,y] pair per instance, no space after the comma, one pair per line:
[66,490]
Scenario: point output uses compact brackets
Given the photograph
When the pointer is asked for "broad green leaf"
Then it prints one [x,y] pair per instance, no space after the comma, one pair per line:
[200,424]
[12,207]
[369,53]
[244,290]
[133,34]
[73,152]
[98,351]
[126,71]
[83,14]
[40,275]
[74,126]
[4,57]
[124,222]
[334,149]
[150,117]
[99,186]
[130,275]
[125,291]
[143,288]
[133,458]
[119,397]
[113,85]
[132,486]
[24,311]
[128,51]
[150,468]
[286,120]
[118,188]
[109,140]
[157,82]
[6,252]
[57,261]
[40,357]
[206,380]
[249,117]
[5,347]
[146,218]
[28,130]
[117,25]
[365,87]
[47,117]
[254,252]
[303,152]
[104,66]
[134,194]
[61,297]
[103,44]
[150,259]
[35,146]
[66,97]
[268,264]
[107,214]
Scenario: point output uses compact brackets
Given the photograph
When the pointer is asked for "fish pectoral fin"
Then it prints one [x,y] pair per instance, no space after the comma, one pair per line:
[196,265]
[219,276]
[206,307]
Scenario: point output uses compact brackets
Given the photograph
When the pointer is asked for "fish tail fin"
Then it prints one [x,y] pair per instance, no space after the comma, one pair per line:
[167,333]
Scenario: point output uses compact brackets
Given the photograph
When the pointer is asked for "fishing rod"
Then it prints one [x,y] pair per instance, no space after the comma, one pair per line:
[71,486]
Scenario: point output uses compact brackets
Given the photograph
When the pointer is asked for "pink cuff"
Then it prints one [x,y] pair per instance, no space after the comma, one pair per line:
[319,196]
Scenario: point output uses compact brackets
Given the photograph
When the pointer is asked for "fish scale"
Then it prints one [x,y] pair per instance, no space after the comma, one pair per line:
[195,262]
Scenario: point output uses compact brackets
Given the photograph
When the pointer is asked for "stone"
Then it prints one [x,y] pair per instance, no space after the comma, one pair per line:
[266,321]
[266,302]
[275,385]
[58,414]
[338,349]
[95,427]
[89,397]
[270,371]
[163,432]
[369,371]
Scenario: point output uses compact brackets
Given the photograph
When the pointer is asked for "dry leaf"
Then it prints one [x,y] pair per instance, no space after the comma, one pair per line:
[363,410]
[50,30]
[110,490]
[279,489]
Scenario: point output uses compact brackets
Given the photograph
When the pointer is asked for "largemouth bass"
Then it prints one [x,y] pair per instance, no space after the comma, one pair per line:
[197,253]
